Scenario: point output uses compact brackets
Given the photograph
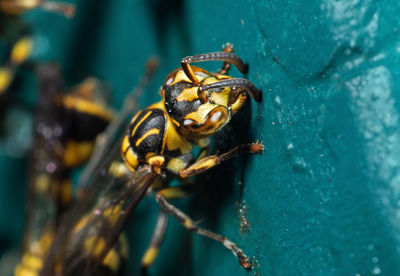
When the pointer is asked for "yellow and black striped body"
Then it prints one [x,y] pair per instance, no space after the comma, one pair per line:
[157,146]
[85,116]
[152,136]
[65,129]
[32,259]
[167,131]
[195,105]
[87,242]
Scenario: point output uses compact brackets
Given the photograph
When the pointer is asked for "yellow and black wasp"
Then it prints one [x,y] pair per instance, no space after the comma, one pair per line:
[65,128]
[156,148]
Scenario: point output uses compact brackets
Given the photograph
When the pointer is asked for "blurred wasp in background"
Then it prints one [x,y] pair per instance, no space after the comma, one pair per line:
[20,50]
[66,125]
[155,148]
[14,33]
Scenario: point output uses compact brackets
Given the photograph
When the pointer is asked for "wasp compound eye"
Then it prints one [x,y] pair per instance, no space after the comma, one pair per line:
[211,122]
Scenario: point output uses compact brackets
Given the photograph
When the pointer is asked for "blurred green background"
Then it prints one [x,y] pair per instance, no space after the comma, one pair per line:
[324,198]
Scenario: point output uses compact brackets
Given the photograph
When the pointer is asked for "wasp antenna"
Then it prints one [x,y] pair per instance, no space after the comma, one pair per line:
[245,84]
[245,68]
[66,9]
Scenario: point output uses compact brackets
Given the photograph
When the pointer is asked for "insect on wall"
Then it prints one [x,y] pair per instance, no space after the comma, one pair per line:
[156,147]
[196,104]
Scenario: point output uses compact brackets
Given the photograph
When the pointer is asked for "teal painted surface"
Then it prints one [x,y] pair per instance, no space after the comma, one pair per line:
[323,199]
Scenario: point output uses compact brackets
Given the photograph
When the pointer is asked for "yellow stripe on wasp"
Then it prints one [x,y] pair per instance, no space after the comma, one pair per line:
[20,52]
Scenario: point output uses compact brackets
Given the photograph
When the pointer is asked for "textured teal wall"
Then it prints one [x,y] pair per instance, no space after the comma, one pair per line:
[324,197]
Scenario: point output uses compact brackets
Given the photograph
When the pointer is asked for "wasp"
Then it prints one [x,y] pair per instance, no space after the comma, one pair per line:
[156,148]
[66,125]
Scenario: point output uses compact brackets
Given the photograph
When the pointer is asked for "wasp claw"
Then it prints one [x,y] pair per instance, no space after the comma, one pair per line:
[245,263]
[257,147]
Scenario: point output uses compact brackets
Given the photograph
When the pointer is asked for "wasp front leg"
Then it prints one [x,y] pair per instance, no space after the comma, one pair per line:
[209,162]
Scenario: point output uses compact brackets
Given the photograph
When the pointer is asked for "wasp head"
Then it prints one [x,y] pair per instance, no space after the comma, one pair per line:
[200,110]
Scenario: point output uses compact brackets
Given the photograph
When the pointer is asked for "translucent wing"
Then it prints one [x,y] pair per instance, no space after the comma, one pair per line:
[104,224]
[46,171]
[46,168]
[88,233]
[90,230]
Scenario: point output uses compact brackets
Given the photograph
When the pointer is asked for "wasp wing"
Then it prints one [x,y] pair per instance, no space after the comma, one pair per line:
[45,168]
[83,241]
[106,223]
[100,193]
[106,140]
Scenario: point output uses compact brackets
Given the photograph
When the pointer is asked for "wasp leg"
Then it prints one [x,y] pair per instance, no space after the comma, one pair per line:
[227,48]
[222,56]
[209,162]
[158,236]
[159,231]
[162,199]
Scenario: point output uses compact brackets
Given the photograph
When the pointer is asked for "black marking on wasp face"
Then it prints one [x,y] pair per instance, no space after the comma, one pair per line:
[196,111]
[179,109]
